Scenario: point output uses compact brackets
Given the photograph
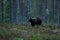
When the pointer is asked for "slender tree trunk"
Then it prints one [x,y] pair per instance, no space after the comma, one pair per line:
[2,9]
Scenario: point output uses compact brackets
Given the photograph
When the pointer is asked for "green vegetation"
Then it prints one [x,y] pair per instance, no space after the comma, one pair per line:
[19,32]
[6,12]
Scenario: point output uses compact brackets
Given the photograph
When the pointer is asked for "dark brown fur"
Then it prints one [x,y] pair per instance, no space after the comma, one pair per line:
[35,21]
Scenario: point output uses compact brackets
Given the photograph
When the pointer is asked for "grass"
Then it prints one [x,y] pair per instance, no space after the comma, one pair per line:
[26,32]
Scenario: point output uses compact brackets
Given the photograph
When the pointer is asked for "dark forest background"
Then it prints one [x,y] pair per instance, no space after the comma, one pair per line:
[18,11]
[14,12]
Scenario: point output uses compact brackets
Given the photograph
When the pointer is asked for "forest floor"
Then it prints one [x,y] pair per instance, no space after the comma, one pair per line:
[27,32]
